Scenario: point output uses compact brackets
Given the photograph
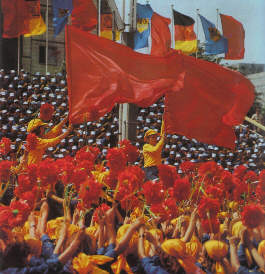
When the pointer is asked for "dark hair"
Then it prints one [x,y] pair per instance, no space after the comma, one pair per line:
[15,255]
[169,263]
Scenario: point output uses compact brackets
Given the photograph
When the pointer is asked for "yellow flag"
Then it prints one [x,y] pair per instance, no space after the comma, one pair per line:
[36,26]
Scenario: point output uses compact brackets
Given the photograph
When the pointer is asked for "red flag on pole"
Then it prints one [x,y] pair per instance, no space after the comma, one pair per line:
[235,34]
[161,36]
[213,100]
[203,99]
[84,15]
[101,73]
[15,18]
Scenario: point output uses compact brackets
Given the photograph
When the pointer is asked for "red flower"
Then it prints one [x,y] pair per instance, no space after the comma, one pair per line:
[226,180]
[31,142]
[181,189]
[159,210]
[239,172]
[47,172]
[20,212]
[78,177]
[32,173]
[5,215]
[116,159]
[46,112]
[65,169]
[240,188]
[153,192]
[167,175]
[250,177]
[131,151]
[5,170]
[99,210]
[208,205]
[262,176]
[260,191]
[208,169]
[112,179]
[29,197]
[214,192]
[5,146]
[130,178]
[210,226]
[90,192]
[188,167]
[129,202]
[87,154]
[252,215]
[24,185]
[171,207]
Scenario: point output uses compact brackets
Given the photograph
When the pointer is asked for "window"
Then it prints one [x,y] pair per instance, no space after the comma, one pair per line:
[53,53]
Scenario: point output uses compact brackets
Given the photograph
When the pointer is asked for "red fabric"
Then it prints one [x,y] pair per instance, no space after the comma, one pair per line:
[84,15]
[161,36]
[212,101]
[101,73]
[235,33]
[16,18]
[184,33]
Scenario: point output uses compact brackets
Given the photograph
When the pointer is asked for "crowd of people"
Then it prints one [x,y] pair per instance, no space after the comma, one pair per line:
[86,206]
[22,95]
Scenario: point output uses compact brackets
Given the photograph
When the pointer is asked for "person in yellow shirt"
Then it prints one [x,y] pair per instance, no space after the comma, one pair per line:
[33,155]
[152,152]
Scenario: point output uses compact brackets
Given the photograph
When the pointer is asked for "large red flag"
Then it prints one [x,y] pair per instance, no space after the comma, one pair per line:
[84,14]
[101,73]
[213,100]
[235,34]
[203,99]
[16,18]
[161,36]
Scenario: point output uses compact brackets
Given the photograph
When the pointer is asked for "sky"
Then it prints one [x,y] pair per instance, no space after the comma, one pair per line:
[249,12]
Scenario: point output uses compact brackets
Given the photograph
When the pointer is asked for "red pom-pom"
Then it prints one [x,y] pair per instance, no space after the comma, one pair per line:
[116,159]
[252,215]
[188,167]
[5,146]
[46,112]
[31,142]
[5,170]
[100,211]
[239,172]
[130,150]
[208,205]
[167,175]
[90,192]
[47,172]
[181,189]
[210,225]
[153,192]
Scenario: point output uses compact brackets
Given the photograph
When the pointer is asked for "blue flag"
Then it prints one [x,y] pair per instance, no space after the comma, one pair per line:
[144,14]
[215,42]
[61,10]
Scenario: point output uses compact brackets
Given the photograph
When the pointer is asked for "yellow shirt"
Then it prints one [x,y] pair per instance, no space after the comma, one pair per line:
[152,154]
[35,155]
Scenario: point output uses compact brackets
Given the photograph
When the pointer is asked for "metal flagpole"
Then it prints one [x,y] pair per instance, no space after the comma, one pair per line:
[217,14]
[47,35]
[172,28]
[197,30]
[150,38]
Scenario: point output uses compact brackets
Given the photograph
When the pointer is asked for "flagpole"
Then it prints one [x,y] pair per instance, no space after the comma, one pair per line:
[217,14]
[99,8]
[172,30]
[255,123]
[197,30]
[18,54]
[150,38]
[47,35]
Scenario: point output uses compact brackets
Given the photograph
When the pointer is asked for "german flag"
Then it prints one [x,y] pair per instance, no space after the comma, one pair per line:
[185,37]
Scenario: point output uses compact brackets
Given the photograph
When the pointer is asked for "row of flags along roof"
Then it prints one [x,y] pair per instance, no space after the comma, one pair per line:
[22,17]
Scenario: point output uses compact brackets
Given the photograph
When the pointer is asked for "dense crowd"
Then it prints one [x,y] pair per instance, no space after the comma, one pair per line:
[88,208]
[22,95]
